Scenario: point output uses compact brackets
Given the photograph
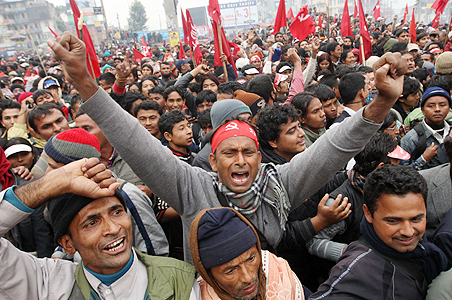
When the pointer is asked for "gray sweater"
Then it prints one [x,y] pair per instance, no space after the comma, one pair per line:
[189,189]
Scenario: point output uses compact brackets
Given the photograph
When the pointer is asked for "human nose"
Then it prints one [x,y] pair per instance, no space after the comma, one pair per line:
[407,229]
[111,227]
[246,275]
[56,128]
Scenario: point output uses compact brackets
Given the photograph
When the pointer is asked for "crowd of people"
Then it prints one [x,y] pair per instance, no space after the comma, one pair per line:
[293,171]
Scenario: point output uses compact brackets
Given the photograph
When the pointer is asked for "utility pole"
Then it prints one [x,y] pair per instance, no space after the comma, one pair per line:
[105,21]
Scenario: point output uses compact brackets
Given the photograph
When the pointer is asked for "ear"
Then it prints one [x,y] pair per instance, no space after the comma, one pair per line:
[273,144]
[381,164]
[367,214]
[213,162]
[302,120]
[168,136]
[66,242]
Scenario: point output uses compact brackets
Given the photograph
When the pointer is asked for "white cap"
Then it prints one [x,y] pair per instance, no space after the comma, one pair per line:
[16,149]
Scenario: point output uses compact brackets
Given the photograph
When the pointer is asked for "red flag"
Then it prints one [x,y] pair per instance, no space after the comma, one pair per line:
[53,32]
[320,21]
[440,5]
[138,57]
[146,50]
[280,20]
[91,57]
[346,29]
[214,10]
[290,14]
[413,28]
[193,38]
[302,25]
[225,46]
[335,18]
[367,45]
[355,10]
[435,22]
[405,14]
[377,11]
[185,28]
[181,51]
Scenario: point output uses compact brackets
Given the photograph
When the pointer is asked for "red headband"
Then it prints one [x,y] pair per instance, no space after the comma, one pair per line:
[230,129]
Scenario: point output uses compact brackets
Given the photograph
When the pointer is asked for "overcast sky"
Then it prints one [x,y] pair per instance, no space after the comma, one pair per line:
[156,13]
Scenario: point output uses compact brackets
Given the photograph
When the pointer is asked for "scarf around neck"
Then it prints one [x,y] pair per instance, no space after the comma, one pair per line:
[267,187]
[427,255]
[357,180]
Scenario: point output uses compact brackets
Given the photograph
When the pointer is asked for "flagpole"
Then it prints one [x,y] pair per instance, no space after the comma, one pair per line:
[191,56]
[422,19]
[362,50]
[327,20]
[225,70]
[37,53]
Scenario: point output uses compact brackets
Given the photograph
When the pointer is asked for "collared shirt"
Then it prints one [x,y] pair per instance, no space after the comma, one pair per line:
[132,285]
[445,130]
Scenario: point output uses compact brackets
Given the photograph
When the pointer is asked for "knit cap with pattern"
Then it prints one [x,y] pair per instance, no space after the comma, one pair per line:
[71,145]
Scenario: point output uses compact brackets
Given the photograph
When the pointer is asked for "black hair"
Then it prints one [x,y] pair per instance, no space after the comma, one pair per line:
[7,104]
[18,141]
[344,55]
[375,152]
[410,86]
[439,44]
[330,47]
[343,69]
[152,78]
[108,77]
[390,118]
[270,119]
[330,80]
[285,48]
[168,120]
[206,95]
[301,102]
[432,56]
[399,47]
[210,76]
[148,105]
[171,89]
[74,100]
[365,70]
[129,98]
[350,85]
[156,90]
[41,111]
[261,85]
[321,91]
[420,74]
[392,180]
[442,81]
[194,87]
[282,64]
[204,119]
[229,87]
[38,93]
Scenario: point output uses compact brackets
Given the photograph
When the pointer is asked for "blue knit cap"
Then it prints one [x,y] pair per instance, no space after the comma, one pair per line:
[435,91]
[223,236]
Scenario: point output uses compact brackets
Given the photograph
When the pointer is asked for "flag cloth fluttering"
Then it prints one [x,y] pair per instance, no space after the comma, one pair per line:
[377,11]
[413,28]
[302,25]
[346,28]
[280,20]
[364,31]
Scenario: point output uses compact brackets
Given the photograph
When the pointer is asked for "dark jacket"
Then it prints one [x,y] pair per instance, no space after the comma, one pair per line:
[362,273]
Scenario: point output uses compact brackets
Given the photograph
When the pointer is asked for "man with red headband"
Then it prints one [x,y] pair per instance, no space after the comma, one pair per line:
[264,194]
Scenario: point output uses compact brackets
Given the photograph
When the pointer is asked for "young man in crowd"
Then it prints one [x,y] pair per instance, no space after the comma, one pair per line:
[235,156]
[89,217]
[329,101]
[425,141]
[148,114]
[409,99]
[9,113]
[391,260]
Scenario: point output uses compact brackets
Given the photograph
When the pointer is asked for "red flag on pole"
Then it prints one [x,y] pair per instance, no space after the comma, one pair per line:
[355,10]
[290,14]
[280,20]
[91,57]
[435,22]
[405,14]
[214,10]
[440,5]
[185,28]
[320,21]
[377,11]
[226,48]
[302,25]
[413,28]
[138,57]
[346,28]
[193,38]
[367,45]
[53,32]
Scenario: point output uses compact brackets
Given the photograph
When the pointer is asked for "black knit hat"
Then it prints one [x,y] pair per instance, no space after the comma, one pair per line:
[223,236]
[64,208]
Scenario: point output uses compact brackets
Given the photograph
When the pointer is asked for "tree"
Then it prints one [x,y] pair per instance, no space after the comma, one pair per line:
[137,16]
[59,10]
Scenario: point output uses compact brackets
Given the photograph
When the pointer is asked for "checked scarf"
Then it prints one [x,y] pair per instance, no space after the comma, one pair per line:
[267,187]
[357,180]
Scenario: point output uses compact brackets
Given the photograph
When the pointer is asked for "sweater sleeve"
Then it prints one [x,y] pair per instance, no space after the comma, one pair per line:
[310,70]
[297,86]
[309,170]
[322,246]
[190,99]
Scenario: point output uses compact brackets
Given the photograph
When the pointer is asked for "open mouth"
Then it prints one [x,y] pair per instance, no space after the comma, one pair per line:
[115,245]
[240,177]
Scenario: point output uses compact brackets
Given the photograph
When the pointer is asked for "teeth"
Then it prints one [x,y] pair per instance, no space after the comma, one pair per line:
[115,245]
